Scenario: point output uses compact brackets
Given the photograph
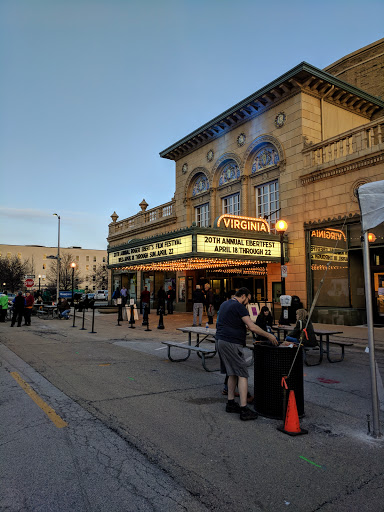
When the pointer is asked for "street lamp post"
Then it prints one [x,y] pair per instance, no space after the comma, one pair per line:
[73,265]
[58,260]
[281,228]
[39,283]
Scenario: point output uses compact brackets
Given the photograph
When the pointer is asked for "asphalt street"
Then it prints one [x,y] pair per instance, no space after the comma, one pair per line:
[143,433]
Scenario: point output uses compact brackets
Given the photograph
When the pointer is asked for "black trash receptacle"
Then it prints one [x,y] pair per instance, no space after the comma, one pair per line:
[271,364]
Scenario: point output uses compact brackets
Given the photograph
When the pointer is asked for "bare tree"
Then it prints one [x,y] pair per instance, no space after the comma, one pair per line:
[65,273]
[12,272]
[101,276]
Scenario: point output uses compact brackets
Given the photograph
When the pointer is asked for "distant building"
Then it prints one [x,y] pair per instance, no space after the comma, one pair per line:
[297,150]
[38,257]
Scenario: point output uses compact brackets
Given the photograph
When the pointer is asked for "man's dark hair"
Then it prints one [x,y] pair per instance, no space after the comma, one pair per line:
[242,291]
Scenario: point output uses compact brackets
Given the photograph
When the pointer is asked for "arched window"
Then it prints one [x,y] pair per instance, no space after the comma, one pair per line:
[229,173]
[266,156]
[201,185]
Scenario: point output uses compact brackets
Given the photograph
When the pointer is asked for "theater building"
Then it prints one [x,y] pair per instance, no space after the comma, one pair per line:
[297,150]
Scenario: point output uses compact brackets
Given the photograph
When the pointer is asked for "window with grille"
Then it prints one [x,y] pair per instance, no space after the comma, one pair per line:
[231,204]
[267,202]
[202,215]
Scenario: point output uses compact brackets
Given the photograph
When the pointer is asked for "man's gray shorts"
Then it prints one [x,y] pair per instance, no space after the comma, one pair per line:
[232,360]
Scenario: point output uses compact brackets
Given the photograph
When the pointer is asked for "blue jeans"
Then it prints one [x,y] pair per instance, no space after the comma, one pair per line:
[65,313]
[292,340]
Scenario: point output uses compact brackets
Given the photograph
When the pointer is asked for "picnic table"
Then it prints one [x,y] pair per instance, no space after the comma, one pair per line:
[201,334]
[45,309]
[323,336]
[203,352]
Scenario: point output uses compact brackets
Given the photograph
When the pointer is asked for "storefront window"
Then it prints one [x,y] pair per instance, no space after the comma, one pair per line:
[267,202]
[330,244]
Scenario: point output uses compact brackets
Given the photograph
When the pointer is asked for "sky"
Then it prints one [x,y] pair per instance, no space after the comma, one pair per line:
[91,92]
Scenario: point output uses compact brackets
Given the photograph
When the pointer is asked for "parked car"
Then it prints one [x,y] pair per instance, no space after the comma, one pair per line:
[101,295]
[90,296]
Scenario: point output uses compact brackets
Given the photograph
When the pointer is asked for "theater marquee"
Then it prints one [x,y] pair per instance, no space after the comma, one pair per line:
[233,246]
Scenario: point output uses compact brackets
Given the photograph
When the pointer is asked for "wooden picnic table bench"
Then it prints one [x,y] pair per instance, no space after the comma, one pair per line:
[201,351]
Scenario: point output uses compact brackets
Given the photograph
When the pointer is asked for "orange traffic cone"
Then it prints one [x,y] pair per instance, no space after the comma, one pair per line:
[292,424]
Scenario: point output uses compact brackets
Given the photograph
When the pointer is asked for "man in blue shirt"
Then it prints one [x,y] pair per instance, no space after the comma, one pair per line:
[231,332]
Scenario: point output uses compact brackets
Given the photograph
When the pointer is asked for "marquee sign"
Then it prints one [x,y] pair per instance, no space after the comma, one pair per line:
[242,223]
[142,253]
[233,246]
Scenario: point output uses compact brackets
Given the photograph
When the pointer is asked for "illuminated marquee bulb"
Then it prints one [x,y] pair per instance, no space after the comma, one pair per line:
[371,237]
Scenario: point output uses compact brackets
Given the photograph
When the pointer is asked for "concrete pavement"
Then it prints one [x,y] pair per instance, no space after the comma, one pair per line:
[173,414]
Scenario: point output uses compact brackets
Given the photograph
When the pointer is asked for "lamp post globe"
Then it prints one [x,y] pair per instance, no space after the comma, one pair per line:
[73,265]
[281,228]
[58,259]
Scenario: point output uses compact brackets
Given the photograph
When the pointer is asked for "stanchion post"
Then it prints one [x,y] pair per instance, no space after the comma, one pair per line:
[74,315]
[161,319]
[93,320]
[83,328]
[148,329]
[145,315]
[132,318]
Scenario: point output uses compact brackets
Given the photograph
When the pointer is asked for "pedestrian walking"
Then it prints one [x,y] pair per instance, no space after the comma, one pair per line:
[231,331]
[116,295]
[18,309]
[198,305]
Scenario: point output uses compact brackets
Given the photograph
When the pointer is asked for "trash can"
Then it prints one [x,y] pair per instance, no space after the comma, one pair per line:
[271,364]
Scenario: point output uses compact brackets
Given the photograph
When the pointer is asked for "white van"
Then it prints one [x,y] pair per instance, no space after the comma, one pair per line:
[101,295]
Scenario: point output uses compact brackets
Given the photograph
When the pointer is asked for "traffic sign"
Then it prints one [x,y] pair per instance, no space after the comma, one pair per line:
[29,283]
[30,276]
[284,271]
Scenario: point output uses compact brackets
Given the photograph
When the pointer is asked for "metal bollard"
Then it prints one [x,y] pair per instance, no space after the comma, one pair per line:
[119,314]
[93,321]
[145,315]
[83,328]
[132,319]
[161,319]
[74,316]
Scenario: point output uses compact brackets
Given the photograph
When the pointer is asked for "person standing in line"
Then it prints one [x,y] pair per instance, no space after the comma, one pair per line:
[29,302]
[145,299]
[209,302]
[161,300]
[3,306]
[231,331]
[170,299]
[198,305]
[124,295]
[18,309]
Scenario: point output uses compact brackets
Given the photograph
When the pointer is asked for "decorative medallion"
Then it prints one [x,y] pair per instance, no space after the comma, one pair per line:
[241,139]
[280,119]
[184,169]
[210,155]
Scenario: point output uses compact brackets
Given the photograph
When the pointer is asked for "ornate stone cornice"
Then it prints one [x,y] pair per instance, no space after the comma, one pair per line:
[333,171]
[302,78]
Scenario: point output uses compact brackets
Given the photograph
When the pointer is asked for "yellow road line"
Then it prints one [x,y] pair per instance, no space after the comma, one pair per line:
[59,422]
